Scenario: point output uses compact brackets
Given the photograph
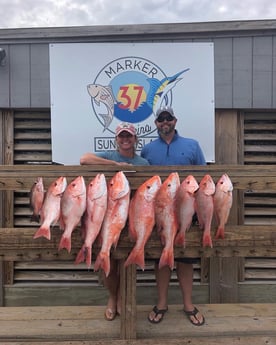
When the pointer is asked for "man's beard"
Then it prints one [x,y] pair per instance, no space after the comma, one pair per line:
[166,130]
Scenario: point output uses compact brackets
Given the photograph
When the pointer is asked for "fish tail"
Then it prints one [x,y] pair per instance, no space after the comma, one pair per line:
[166,259]
[81,255]
[137,257]
[65,242]
[88,257]
[103,261]
[43,231]
[220,232]
[180,239]
[207,240]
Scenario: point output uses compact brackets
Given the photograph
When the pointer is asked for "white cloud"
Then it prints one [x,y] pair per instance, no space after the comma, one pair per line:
[33,13]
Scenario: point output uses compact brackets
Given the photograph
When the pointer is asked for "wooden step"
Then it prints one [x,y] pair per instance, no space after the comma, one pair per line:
[233,324]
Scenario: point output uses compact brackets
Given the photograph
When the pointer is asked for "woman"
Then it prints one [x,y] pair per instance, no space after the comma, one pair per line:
[126,141]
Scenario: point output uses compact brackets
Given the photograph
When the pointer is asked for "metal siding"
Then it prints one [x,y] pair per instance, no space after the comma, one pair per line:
[20,75]
[223,52]
[262,72]
[242,72]
[4,81]
[26,76]
[274,73]
[40,76]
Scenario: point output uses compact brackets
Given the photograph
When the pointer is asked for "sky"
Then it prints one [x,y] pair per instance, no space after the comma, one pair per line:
[62,13]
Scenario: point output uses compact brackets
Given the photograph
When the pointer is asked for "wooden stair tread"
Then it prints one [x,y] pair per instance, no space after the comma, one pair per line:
[85,324]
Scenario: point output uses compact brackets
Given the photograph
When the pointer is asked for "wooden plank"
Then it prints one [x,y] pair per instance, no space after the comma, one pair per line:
[253,340]
[2,282]
[86,323]
[224,287]
[240,240]
[128,295]
[21,177]
[226,130]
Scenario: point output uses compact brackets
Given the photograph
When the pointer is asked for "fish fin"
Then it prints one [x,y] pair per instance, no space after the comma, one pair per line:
[88,256]
[137,257]
[103,261]
[220,233]
[43,231]
[207,240]
[65,242]
[81,255]
[166,259]
[85,254]
[180,239]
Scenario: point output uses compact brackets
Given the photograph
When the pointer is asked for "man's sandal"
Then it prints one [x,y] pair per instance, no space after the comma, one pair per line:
[157,312]
[192,317]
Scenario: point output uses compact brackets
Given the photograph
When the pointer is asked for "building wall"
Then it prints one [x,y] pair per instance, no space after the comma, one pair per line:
[244,59]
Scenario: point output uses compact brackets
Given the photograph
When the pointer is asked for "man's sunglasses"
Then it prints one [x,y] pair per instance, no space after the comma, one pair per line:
[165,118]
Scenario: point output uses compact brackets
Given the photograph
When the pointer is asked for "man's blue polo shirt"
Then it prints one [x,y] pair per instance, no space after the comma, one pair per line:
[180,151]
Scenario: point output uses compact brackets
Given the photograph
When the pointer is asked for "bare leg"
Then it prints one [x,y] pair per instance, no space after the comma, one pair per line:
[185,277]
[112,283]
[163,276]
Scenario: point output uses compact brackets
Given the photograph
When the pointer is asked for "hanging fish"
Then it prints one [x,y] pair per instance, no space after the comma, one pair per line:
[50,211]
[37,194]
[118,197]
[96,205]
[222,203]
[166,218]
[73,204]
[141,219]
[204,205]
[185,205]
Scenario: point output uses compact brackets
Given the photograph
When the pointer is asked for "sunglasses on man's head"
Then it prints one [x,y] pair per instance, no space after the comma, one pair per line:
[165,118]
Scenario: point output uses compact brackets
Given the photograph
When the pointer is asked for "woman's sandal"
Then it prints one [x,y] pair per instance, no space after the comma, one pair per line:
[157,312]
[193,313]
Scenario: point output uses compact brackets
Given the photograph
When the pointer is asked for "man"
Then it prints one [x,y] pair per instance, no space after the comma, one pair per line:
[126,140]
[172,149]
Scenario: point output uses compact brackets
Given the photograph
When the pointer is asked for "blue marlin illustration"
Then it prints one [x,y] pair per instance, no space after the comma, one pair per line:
[103,94]
[160,88]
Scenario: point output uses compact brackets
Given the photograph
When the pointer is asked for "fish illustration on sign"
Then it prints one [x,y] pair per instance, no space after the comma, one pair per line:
[103,94]
[159,89]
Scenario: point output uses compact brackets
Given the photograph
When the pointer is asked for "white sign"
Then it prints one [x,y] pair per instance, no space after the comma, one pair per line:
[95,86]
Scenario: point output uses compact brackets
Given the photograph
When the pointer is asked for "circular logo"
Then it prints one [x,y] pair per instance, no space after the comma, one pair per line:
[129,89]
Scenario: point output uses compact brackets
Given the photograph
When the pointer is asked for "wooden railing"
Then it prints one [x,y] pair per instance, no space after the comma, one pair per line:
[240,240]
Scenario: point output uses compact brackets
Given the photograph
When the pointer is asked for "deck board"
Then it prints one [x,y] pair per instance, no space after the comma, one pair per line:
[85,325]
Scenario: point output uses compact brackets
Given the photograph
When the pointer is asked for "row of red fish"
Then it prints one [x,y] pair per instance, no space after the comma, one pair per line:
[103,210]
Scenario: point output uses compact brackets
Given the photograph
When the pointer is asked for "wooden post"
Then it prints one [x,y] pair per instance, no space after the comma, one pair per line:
[2,277]
[224,271]
[128,295]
